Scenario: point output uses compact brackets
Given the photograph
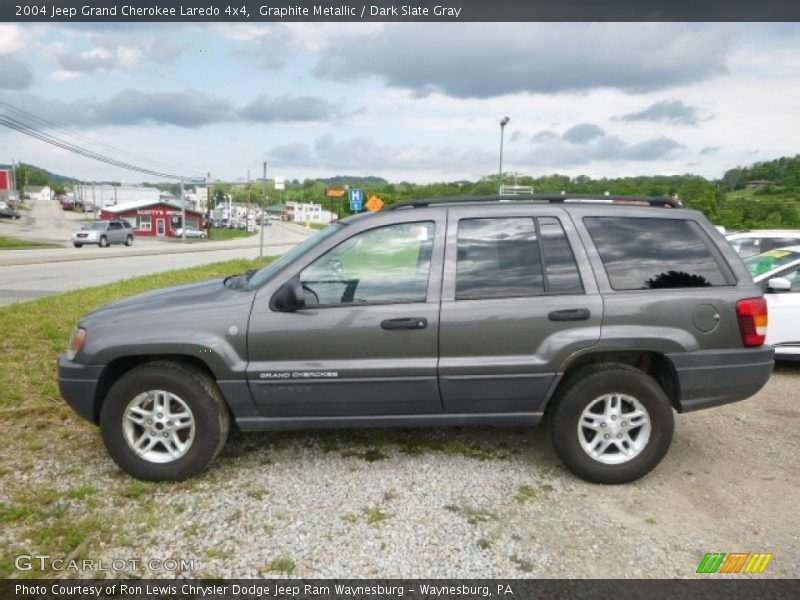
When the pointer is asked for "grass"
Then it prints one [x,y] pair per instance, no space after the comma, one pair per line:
[82,492]
[136,490]
[222,234]
[283,564]
[522,564]
[10,243]
[375,515]
[525,493]
[473,515]
[35,333]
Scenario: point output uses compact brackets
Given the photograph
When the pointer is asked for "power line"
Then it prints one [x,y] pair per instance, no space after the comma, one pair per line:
[39,134]
[77,135]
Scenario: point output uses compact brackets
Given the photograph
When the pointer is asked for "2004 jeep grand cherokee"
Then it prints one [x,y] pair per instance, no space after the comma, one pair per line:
[604,315]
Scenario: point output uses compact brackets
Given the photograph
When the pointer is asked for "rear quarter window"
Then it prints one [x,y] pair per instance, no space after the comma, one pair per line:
[653,253]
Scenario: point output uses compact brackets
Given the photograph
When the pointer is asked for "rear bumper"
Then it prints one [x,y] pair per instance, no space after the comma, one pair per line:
[713,377]
[77,384]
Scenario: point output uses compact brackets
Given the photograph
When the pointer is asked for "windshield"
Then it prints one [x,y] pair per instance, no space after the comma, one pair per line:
[763,263]
[96,225]
[263,275]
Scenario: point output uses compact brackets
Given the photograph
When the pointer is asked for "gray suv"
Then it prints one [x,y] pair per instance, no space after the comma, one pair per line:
[602,315]
[104,233]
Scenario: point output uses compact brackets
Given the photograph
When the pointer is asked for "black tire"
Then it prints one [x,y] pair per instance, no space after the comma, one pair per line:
[78,245]
[197,391]
[129,240]
[103,243]
[588,387]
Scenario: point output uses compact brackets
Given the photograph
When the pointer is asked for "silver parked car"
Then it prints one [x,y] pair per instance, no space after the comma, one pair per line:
[191,232]
[104,233]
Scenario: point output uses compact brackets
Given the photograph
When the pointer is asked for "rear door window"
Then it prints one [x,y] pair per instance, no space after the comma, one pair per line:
[510,257]
[653,253]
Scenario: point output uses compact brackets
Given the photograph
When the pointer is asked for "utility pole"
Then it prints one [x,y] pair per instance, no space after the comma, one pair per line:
[247,214]
[183,213]
[209,196]
[263,212]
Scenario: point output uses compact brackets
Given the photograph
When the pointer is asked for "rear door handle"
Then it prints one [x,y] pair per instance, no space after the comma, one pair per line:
[405,323]
[570,314]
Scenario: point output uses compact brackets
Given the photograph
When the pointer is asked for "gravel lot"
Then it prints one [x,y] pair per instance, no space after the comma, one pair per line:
[415,503]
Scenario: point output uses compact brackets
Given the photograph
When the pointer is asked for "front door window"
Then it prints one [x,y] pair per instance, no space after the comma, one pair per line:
[385,265]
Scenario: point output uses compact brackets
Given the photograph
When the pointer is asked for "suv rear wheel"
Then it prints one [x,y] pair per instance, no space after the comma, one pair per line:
[611,423]
[129,240]
[164,421]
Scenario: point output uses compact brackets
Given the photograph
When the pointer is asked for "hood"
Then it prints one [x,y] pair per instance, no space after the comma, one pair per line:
[175,299]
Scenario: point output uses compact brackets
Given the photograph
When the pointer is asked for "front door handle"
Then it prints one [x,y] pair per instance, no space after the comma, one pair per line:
[570,314]
[405,323]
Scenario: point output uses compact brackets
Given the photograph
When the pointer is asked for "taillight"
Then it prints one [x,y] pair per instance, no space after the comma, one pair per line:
[752,315]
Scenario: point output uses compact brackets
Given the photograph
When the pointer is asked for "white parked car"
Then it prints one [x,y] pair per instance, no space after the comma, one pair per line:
[191,232]
[778,273]
[758,241]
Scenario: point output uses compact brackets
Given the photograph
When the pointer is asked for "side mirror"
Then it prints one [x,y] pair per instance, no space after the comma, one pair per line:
[289,297]
[777,285]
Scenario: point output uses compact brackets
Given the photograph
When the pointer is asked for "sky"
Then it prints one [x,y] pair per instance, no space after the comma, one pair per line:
[419,102]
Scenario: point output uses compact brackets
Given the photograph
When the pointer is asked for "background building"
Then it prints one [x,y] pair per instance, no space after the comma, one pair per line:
[38,192]
[8,186]
[308,212]
[159,218]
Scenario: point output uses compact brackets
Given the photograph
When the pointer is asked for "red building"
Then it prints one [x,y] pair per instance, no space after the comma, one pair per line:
[159,218]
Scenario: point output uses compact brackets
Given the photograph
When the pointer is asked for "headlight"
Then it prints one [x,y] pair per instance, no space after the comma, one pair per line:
[76,342]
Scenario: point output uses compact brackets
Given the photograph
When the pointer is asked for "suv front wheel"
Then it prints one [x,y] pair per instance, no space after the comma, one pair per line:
[164,421]
[611,423]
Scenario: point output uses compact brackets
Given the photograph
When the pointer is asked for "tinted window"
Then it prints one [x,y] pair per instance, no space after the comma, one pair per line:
[387,264]
[561,268]
[654,253]
[772,243]
[498,258]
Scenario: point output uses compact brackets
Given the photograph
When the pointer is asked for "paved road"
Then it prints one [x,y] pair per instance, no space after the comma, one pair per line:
[29,274]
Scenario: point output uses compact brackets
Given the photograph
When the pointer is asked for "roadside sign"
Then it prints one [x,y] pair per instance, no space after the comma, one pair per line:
[280,183]
[374,203]
[335,192]
[356,200]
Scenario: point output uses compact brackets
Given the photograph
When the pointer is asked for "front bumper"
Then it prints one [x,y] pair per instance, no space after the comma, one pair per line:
[713,377]
[77,384]
[88,238]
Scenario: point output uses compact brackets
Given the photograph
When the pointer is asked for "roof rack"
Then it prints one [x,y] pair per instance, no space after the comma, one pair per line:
[663,202]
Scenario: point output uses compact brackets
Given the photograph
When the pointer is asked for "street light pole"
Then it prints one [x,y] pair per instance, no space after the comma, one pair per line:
[503,122]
